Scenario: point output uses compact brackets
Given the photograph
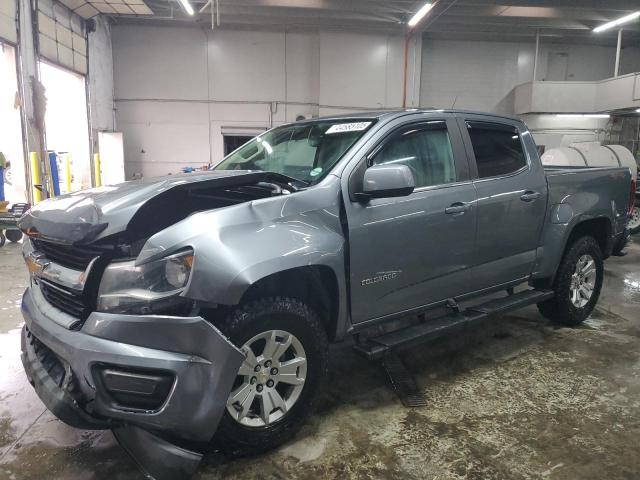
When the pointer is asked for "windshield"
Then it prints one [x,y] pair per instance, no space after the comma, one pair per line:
[306,152]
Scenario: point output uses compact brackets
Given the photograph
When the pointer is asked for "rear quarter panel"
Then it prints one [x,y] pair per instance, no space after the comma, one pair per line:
[577,195]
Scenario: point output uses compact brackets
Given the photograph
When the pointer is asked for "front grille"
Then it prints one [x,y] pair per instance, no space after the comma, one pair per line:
[65,300]
[76,257]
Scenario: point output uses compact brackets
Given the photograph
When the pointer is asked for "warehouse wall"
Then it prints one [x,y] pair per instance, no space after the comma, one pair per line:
[178,89]
[473,75]
[483,75]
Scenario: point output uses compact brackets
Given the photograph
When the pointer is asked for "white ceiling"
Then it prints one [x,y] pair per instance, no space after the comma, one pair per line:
[461,19]
[91,8]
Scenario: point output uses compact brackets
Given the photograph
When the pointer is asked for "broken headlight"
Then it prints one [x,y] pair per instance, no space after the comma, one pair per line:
[130,288]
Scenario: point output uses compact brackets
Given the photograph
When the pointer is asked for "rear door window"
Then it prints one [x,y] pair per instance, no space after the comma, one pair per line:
[497,148]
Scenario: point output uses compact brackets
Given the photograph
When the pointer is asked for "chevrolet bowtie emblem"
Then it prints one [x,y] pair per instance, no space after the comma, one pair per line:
[36,264]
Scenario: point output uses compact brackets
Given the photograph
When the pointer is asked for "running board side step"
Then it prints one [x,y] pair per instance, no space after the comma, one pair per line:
[378,347]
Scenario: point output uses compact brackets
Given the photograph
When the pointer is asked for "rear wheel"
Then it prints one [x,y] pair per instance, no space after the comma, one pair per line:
[577,285]
[285,364]
[634,221]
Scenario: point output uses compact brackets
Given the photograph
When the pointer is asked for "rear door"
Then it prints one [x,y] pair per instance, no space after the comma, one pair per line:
[512,194]
[407,252]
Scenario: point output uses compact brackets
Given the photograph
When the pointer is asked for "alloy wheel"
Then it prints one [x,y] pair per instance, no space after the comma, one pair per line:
[270,380]
[583,281]
[634,221]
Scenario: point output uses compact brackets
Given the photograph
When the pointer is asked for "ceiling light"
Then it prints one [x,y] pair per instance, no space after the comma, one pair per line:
[615,23]
[582,115]
[638,110]
[187,7]
[420,14]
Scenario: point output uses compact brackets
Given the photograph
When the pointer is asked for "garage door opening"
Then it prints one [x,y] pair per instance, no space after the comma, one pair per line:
[232,142]
[15,190]
[66,123]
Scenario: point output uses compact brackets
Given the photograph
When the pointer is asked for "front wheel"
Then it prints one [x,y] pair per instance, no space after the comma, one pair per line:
[577,285]
[285,364]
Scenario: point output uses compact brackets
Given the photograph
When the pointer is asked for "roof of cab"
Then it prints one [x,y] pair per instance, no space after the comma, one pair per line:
[390,114]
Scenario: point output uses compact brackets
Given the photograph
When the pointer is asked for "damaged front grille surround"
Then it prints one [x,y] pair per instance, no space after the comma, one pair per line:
[71,303]
[67,275]
[77,292]
[76,257]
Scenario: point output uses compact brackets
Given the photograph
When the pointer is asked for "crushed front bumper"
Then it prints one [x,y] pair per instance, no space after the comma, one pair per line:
[67,369]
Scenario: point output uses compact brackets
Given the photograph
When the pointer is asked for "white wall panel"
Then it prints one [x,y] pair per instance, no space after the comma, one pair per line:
[234,79]
[582,97]
[152,62]
[473,75]
[46,7]
[161,137]
[394,76]
[48,47]
[630,60]
[63,35]
[8,15]
[483,75]
[65,56]
[79,43]
[353,70]
[247,65]
[79,63]
[230,78]
[303,67]
[46,25]
[585,62]
[8,8]
[8,28]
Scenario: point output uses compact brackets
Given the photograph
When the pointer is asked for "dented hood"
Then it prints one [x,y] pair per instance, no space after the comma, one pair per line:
[87,215]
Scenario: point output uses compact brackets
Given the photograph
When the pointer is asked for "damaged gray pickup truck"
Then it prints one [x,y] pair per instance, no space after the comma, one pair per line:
[194,312]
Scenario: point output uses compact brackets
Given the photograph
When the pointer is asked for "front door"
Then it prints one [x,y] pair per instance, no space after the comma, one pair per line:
[407,252]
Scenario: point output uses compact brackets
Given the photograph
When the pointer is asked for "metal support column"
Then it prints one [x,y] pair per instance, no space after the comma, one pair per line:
[618,48]
[535,56]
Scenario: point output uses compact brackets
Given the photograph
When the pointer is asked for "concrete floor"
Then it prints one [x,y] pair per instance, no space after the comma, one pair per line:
[515,399]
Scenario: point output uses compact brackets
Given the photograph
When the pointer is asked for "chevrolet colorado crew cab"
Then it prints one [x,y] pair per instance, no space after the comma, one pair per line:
[195,311]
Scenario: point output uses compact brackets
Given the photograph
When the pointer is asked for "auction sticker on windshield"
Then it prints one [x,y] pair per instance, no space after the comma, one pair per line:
[348,127]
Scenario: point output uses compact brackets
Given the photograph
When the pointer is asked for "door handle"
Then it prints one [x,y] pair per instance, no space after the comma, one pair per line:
[530,196]
[457,208]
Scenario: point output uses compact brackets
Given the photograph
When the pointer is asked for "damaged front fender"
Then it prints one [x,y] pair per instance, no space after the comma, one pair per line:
[237,246]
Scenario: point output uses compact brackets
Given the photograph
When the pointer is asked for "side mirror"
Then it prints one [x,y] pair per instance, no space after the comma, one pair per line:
[381,181]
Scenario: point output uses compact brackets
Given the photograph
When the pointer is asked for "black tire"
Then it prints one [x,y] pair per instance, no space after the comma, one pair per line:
[274,313]
[619,246]
[560,309]
[2,239]
[14,236]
